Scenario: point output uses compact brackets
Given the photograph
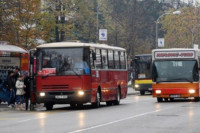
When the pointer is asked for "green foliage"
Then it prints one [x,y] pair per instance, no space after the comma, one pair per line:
[130,23]
[179,28]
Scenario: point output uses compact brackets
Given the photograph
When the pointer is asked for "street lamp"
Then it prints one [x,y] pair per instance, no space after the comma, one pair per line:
[157,21]
[97,21]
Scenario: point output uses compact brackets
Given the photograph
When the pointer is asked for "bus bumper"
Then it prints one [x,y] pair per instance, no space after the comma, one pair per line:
[64,97]
[143,87]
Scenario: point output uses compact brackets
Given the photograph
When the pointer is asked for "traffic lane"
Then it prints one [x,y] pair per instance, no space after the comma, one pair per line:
[69,120]
[41,112]
[62,115]
[180,117]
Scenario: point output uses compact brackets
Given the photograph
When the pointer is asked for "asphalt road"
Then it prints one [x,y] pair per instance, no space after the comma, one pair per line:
[135,114]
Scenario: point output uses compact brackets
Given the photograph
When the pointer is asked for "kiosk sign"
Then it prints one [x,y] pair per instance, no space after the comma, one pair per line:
[6,64]
[174,54]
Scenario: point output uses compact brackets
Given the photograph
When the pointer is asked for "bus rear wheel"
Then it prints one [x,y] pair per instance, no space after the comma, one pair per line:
[117,101]
[159,99]
[98,100]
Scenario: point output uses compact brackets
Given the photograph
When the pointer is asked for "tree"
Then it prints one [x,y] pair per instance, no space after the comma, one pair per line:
[179,28]
[131,24]
[84,20]
[18,18]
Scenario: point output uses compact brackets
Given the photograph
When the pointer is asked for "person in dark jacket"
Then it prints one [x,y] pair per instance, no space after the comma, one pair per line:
[10,85]
[16,73]
[27,89]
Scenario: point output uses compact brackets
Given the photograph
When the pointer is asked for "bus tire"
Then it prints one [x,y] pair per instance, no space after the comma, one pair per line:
[98,100]
[49,106]
[72,105]
[80,105]
[0,101]
[159,99]
[109,103]
[117,101]
[171,99]
[142,92]
[196,99]
[166,99]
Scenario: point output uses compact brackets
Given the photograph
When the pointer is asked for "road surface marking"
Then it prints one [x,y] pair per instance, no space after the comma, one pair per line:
[120,120]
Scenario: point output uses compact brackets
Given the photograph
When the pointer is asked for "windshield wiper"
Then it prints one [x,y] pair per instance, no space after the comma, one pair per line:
[76,73]
[47,75]
[183,79]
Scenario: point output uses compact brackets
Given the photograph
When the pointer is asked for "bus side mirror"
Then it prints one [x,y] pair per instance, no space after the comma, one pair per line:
[93,56]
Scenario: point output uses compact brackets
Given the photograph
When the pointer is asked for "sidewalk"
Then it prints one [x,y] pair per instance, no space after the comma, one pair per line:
[4,106]
[132,91]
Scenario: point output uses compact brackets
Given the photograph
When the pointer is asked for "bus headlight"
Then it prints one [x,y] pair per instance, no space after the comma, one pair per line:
[81,93]
[191,91]
[42,94]
[158,91]
[136,86]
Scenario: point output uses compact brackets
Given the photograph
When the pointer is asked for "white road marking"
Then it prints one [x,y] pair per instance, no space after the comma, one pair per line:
[120,120]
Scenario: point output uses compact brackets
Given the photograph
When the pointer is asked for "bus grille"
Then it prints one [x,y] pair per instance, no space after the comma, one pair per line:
[55,86]
[60,93]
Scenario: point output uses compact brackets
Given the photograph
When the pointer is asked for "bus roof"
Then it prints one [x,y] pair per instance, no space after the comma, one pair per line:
[11,48]
[78,44]
[175,49]
[143,55]
[175,53]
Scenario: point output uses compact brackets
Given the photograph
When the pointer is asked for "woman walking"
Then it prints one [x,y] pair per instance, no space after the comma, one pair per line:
[20,92]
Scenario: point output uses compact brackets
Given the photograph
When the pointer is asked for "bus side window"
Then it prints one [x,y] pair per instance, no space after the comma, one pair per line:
[98,59]
[122,60]
[110,59]
[104,59]
[92,59]
[116,57]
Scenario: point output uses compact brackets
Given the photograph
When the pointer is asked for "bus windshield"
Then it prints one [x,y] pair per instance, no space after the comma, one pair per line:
[63,61]
[143,67]
[175,71]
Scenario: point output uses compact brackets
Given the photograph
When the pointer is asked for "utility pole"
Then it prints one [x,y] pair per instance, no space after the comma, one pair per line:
[97,36]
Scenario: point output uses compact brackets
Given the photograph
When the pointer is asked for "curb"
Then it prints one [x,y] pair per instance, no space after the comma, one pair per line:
[132,91]
[3,107]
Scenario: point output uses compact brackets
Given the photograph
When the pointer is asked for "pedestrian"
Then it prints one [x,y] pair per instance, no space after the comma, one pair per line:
[16,73]
[20,92]
[10,85]
[27,89]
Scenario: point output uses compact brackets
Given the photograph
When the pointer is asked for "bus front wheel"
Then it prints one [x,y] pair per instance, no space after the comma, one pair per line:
[49,106]
[159,99]
[142,92]
[109,103]
[196,99]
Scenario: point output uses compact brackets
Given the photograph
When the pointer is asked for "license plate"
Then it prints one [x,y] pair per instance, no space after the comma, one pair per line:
[150,89]
[174,96]
[61,97]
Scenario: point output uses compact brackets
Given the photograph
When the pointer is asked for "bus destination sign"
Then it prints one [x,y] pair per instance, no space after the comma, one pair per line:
[174,54]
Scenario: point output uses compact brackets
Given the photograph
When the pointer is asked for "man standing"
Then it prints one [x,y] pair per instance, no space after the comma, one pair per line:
[10,83]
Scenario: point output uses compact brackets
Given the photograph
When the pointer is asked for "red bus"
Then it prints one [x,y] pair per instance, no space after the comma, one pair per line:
[77,73]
